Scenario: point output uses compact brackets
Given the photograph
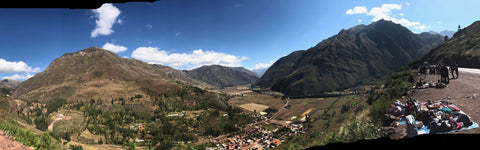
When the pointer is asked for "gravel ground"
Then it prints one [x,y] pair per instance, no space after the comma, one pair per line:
[464,92]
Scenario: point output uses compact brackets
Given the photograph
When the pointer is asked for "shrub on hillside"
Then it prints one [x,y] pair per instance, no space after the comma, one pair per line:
[27,137]
[394,88]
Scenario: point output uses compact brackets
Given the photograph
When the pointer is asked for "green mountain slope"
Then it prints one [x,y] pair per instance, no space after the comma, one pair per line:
[463,49]
[221,76]
[360,55]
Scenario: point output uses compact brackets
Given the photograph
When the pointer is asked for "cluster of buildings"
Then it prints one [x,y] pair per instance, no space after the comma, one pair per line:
[296,129]
[138,127]
[259,137]
[20,107]
[239,143]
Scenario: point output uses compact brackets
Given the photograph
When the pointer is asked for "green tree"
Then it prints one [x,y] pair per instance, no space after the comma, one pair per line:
[345,108]
[215,113]
[54,105]
[167,128]
[41,123]
[76,147]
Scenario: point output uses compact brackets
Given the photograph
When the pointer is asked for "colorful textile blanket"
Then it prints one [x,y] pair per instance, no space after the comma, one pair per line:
[426,130]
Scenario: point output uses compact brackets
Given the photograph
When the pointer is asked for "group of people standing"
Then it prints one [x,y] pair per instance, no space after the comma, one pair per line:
[443,70]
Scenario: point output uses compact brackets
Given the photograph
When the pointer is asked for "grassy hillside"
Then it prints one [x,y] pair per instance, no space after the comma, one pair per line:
[360,55]
[381,97]
[94,73]
[100,74]
[362,120]
[221,76]
[41,141]
[462,49]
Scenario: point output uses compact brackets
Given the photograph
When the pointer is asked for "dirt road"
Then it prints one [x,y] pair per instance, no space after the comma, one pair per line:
[464,92]
[280,110]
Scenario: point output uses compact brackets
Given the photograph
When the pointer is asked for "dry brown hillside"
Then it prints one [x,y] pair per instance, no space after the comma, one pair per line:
[94,73]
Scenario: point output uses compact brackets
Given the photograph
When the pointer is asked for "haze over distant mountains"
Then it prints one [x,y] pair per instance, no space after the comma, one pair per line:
[443,33]
[259,72]
[363,54]
[9,83]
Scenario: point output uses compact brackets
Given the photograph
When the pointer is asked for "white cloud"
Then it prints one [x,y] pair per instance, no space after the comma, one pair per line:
[148,26]
[18,77]
[261,68]
[114,48]
[385,12]
[421,27]
[357,10]
[262,65]
[359,20]
[192,60]
[404,22]
[16,67]
[106,17]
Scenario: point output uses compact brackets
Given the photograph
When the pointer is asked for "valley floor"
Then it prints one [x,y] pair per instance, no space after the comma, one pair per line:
[285,123]
[325,115]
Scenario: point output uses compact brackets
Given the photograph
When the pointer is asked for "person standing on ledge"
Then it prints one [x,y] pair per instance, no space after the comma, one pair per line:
[452,69]
[455,68]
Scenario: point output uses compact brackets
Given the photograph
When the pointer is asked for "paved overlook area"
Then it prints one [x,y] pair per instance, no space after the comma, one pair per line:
[464,92]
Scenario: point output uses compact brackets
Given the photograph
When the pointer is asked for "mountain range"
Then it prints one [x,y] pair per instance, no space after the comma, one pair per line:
[444,33]
[462,48]
[99,73]
[363,54]
[9,83]
[220,76]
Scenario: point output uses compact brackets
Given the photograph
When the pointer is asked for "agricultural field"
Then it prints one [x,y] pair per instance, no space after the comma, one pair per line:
[325,115]
[252,97]
[315,107]
[253,107]
[94,146]
[236,90]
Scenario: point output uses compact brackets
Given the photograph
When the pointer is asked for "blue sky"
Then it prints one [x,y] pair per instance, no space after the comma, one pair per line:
[186,34]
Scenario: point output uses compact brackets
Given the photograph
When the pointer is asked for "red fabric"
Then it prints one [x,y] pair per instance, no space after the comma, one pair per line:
[453,108]
[408,109]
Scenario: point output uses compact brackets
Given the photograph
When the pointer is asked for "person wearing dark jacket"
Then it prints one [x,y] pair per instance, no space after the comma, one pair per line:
[444,74]
[455,68]
[423,70]
[452,68]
